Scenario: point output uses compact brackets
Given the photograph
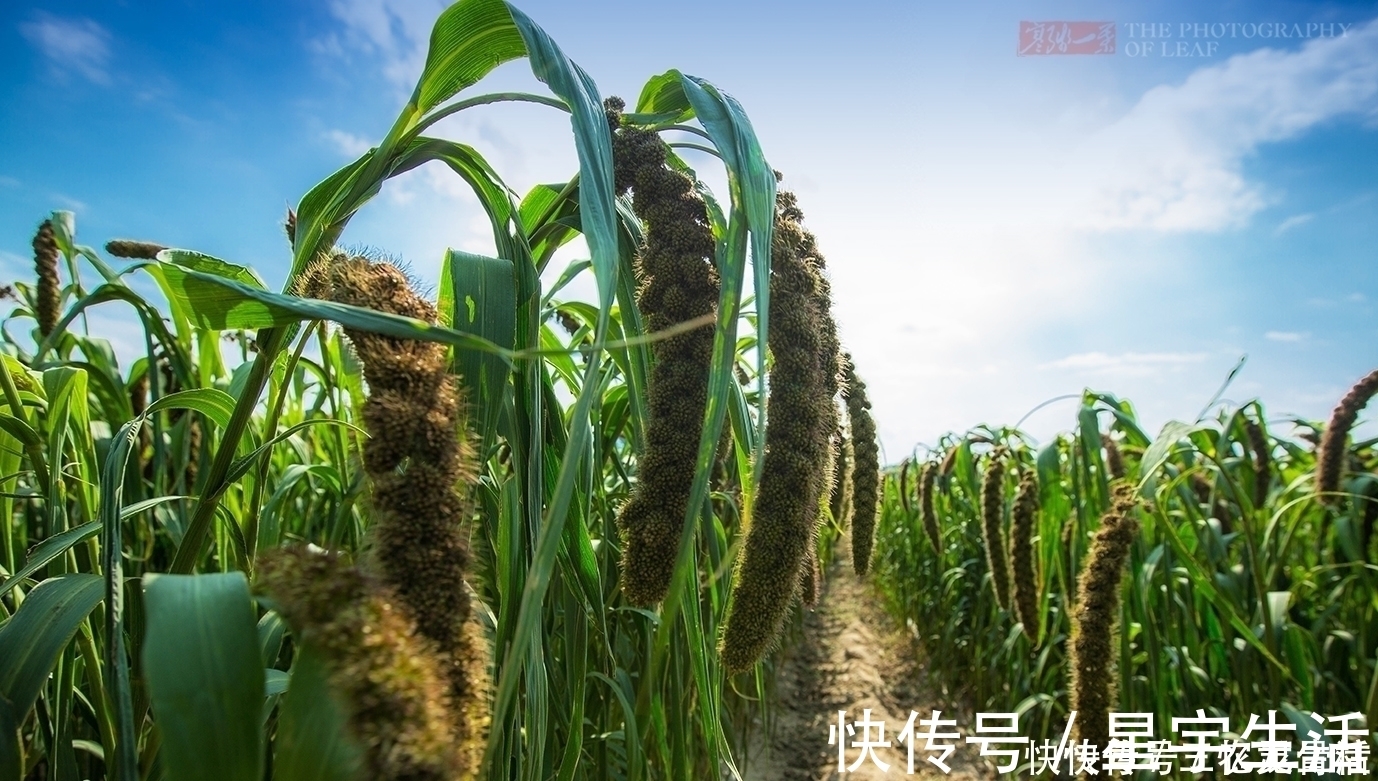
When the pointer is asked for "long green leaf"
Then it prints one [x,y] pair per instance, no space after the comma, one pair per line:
[313,743]
[205,676]
[38,631]
[480,295]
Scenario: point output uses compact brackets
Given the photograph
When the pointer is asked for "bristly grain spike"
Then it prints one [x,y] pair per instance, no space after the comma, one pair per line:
[778,556]
[866,471]
[676,283]
[1330,454]
[1092,647]
[1022,522]
[48,297]
[417,457]
[992,526]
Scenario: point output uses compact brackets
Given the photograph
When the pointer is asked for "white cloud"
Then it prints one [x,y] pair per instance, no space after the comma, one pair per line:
[1295,221]
[79,45]
[1177,155]
[1129,363]
[348,144]
[69,202]
[1290,337]
[396,31]
[1172,161]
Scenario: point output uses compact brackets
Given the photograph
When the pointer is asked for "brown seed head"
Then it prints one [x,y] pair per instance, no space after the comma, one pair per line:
[1330,455]
[930,517]
[136,250]
[389,676]
[676,282]
[1114,462]
[48,303]
[779,551]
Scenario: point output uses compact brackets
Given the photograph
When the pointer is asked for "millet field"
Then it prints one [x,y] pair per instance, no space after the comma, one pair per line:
[357,529]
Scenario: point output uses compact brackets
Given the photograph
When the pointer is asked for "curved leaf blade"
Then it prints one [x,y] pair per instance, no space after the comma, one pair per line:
[205,675]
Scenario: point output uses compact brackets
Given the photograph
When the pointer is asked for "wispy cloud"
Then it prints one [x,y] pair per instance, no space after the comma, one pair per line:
[1295,221]
[1290,337]
[348,144]
[69,202]
[396,31]
[72,46]
[1175,161]
[1128,363]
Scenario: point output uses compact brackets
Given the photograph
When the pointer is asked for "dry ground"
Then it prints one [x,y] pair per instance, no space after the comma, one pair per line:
[853,656]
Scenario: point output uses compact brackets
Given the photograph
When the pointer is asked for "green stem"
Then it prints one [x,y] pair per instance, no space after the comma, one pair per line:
[270,431]
[270,341]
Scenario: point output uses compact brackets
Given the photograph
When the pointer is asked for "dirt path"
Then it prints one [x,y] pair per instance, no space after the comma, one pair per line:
[853,656]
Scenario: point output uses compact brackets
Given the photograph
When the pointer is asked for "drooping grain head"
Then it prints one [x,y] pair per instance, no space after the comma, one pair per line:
[1092,649]
[992,527]
[1023,521]
[389,677]
[779,555]
[418,458]
[840,500]
[866,472]
[676,282]
[904,486]
[1330,455]
[930,517]
[48,302]
[1114,461]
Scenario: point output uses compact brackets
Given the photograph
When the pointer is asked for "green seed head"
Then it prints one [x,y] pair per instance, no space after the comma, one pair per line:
[866,471]
[992,527]
[1022,522]
[840,499]
[1091,653]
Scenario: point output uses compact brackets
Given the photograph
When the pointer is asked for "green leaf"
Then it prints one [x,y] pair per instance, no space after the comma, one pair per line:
[205,676]
[32,639]
[209,265]
[220,303]
[1156,455]
[469,40]
[592,142]
[480,295]
[313,743]
[214,404]
[48,550]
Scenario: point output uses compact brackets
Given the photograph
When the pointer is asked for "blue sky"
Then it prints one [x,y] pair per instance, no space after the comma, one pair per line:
[1000,229]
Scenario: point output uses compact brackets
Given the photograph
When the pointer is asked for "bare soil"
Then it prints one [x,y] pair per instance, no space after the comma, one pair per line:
[853,655]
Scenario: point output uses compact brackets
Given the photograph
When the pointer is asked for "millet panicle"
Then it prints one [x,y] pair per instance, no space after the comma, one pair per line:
[676,282]
[1091,651]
